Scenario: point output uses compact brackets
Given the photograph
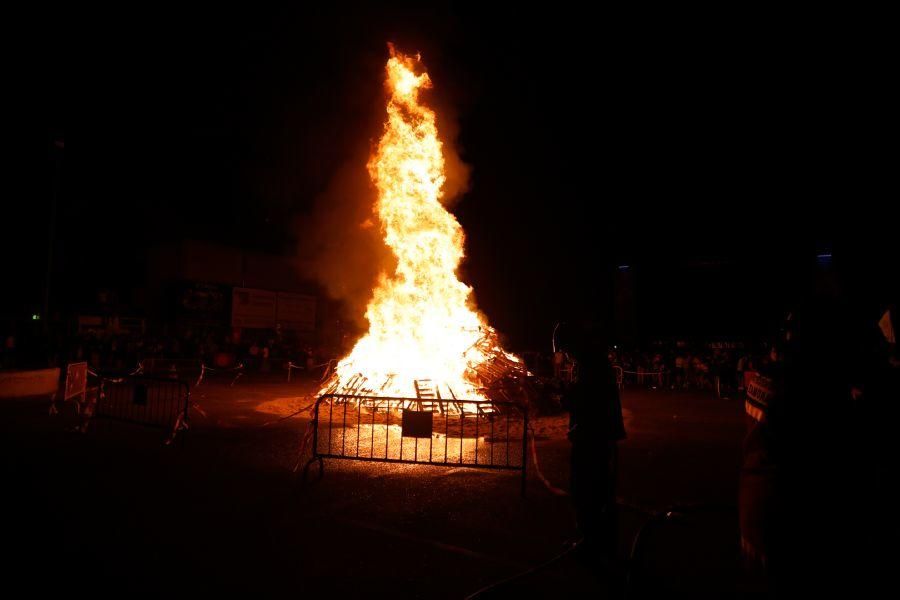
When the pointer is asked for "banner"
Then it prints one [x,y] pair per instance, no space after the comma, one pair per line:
[21,384]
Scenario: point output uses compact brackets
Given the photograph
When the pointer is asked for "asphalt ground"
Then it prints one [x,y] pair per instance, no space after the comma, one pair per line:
[115,511]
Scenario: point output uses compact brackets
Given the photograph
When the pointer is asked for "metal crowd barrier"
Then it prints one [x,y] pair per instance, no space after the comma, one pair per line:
[153,402]
[479,434]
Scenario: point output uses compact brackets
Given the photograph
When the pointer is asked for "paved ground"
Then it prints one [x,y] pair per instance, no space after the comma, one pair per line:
[115,511]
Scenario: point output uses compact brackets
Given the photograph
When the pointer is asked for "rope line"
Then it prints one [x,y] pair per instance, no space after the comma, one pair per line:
[203,369]
[537,468]
[290,416]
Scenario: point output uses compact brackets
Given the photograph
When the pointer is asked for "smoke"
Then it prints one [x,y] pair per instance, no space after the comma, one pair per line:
[340,242]
[456,171]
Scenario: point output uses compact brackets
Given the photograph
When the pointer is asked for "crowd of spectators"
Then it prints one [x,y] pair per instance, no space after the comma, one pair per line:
[724,368]
[124,351]
[720,367]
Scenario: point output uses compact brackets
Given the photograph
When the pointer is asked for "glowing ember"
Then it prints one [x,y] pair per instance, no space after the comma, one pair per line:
[425,338]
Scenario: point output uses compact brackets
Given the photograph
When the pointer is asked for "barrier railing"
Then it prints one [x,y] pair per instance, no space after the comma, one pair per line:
[480,434]
[152,402]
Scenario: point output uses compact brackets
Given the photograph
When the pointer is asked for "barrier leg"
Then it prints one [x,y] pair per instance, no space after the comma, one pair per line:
[309,463]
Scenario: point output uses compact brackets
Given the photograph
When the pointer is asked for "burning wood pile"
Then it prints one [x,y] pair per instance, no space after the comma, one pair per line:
[496,366]
[426,340]
[492,371]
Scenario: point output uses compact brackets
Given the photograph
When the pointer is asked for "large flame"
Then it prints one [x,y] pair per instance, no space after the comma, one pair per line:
[422,325]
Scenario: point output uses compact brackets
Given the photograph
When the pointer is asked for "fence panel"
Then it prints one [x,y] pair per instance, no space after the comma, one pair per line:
[153,402]
[470,433]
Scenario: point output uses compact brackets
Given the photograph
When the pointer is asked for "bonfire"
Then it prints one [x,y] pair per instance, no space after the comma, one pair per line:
[426,339]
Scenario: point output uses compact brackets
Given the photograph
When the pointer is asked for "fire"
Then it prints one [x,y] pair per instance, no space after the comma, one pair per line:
[424,331]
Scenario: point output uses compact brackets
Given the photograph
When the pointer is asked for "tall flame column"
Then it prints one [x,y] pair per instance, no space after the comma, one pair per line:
[421,324]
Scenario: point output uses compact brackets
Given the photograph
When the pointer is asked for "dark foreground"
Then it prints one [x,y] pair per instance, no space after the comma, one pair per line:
[116,512]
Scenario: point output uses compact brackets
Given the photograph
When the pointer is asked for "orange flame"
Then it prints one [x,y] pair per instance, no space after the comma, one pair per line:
[421,322]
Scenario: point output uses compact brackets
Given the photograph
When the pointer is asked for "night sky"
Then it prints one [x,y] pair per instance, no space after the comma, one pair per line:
[701,150]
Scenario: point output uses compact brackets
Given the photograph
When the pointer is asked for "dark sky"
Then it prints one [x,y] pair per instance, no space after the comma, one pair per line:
[670,142]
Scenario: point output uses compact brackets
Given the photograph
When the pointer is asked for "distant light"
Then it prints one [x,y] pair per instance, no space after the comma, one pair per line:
[826,256]
[624,267]
[35,317]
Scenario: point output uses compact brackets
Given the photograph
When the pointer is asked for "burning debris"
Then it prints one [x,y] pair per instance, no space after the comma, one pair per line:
[489,369]
[425,340]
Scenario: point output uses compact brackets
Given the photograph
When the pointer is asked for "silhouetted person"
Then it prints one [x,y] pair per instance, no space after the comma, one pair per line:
[809,481]
[595,426]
